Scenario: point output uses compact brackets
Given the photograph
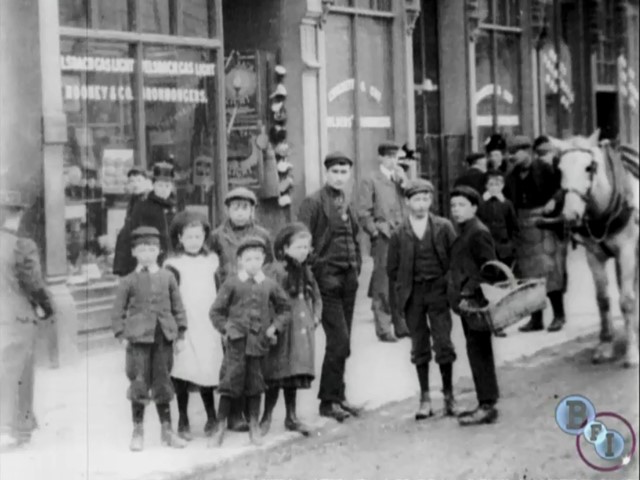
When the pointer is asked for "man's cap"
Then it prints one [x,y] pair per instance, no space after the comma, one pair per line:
[163,171]
[388,148]
[472,158]
[136,171]
[467,192]
[495,142]
[419,185]
[542,145]
[337,158]
[251,241]
[240,193]
[494,172]
[519,142]
[145,234]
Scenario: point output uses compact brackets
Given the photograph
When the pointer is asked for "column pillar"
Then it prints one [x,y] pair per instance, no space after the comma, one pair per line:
[54,136]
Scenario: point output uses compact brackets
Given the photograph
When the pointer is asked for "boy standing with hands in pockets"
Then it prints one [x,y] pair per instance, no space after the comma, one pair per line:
[148,316]
[242,315]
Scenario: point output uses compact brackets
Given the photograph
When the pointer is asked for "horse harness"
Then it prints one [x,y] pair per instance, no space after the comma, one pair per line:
[615,216]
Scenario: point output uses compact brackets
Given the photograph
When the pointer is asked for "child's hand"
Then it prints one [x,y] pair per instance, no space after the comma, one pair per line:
[123,341]
[271,335]
[179,345]
[316,322]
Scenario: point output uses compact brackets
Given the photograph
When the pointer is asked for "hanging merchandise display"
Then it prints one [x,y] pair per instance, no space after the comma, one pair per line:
[278,137]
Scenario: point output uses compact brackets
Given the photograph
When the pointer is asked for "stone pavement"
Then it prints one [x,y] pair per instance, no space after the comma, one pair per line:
[85,421]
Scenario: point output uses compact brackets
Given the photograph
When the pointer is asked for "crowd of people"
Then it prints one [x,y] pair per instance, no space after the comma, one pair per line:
[229,310]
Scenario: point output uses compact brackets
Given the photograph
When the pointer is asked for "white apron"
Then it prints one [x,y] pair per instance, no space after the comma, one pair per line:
[201,358]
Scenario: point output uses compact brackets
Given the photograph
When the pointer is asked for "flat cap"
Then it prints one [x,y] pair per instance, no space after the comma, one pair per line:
[542,145]
[387,148]
[419,185]
[337,158]
[145,234]
[469,193]
[519,142]
[495,142]
[251,241]
[240,193]
[136,171]
[472,158]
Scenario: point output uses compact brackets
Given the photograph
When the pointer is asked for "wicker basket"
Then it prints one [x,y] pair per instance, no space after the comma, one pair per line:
[509,301]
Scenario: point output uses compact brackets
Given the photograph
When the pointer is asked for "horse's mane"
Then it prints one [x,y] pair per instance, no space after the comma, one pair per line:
[579,141]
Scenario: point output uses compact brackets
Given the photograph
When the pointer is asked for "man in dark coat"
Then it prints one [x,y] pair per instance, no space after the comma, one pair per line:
[475,176]
[418,265]
[156,210]
[469,252]
[381,209]
[336,265]
[496,147]
[534,188]
[22,291]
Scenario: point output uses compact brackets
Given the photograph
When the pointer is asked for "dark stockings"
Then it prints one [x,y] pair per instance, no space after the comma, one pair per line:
[446,371]
[207,400]
[290,403]
[557,304]
[270,401]
[423,376]
[137,413]
[182,395]
[164,412]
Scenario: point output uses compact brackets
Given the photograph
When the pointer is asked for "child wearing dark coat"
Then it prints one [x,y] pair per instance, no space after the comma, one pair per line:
[249,311]
[148,317]
[290,364]
[470,251]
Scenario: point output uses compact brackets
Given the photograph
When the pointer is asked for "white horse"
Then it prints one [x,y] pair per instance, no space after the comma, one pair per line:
[601,206]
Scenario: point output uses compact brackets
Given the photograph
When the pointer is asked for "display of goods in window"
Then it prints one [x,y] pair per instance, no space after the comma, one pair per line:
[278,137]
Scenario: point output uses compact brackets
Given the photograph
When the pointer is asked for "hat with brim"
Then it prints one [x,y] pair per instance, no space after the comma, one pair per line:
[135,171]
[251,242]
[145,235]
[542,145]
[419,185]
[519,142]
[163,171]
[467,192]
[495,142]
[388,148]
[337,158]
[473,158]
[240,193]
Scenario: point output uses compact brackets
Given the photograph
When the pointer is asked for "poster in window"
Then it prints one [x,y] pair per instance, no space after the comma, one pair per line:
[115,165]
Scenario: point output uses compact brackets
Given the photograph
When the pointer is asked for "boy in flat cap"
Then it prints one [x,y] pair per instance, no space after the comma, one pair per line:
[249,311]
[156,210]
[336,263]
[533,186]
[470,251]
[475,176]
[381,209]
[417,266]
[149,317]
[224,241]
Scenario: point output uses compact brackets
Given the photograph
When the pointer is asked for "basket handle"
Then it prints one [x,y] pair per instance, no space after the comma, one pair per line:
[503,268]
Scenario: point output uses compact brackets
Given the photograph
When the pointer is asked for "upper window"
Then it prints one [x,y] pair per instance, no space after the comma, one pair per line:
[378,5]
[505,13]
[102,14]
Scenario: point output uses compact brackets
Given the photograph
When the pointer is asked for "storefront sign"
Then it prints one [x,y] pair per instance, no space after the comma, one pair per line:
[113,93]
[492,89]
[72,63]
[503,120]
[349,85]
[365,122]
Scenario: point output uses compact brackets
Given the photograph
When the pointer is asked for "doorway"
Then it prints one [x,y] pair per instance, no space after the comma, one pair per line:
[607,115]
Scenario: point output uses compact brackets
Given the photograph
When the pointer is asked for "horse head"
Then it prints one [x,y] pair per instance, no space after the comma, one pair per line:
[584,177]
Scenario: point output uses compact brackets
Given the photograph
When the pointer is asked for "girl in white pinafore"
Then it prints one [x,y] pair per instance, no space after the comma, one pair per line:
[198,360]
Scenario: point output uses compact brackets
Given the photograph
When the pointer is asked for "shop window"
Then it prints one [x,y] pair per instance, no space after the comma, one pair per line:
[98,94]
[102,14]
[378,5]
[180,116]
[606,52]
[195,18]
[156,16]
[498,69]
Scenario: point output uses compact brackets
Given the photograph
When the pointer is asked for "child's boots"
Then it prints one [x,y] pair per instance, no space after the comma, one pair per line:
[424,409]
[291,421]
[169,438]
[254,419]
[137,438]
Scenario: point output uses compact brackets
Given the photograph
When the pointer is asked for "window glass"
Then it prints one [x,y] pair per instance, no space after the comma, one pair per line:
[508,13]
[74,13]
[484,95]
[380,5]
[155,16]
[344,3]
[195,18]
[485,11]
[507,91]
[97,89]
[179,92]
[112,14]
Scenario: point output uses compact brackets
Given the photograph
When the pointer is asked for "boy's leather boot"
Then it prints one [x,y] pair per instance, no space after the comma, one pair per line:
[137,439]
[424,409]
[169,438]
[449,404]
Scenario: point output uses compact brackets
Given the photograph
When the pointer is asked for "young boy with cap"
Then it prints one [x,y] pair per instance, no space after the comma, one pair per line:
[148,316]
[417,266]
[155,210]
[242,313]
[475,175]
[469,252]
[224,241]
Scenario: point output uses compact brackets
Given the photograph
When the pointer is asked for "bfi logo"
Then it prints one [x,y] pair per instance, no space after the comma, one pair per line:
[576,415]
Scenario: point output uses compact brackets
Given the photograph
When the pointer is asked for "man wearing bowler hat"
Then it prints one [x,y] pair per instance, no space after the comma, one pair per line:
[381,209]
[336,265]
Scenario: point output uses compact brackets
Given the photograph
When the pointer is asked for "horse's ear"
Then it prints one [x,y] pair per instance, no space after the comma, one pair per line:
[558,144]
[594,139]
